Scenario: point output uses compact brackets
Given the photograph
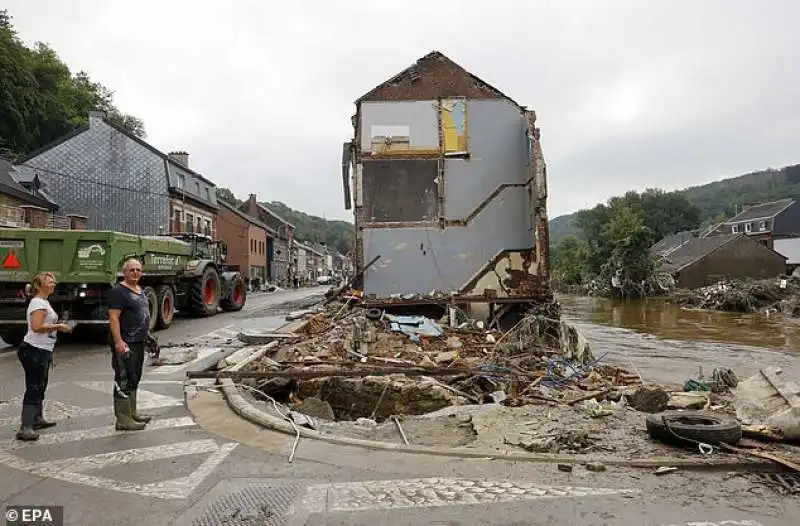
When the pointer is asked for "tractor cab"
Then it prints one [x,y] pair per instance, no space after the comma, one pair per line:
[204,247]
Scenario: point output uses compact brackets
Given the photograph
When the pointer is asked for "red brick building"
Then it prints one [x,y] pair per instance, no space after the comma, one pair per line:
[246,238]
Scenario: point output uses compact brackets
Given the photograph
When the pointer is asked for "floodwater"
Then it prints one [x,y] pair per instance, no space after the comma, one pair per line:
[668,344]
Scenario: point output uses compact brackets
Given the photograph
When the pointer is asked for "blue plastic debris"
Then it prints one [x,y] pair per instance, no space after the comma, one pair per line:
[414,325]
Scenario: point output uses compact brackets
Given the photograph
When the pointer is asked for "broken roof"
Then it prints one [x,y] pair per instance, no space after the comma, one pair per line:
[762,211]
[695,249]
[409,76]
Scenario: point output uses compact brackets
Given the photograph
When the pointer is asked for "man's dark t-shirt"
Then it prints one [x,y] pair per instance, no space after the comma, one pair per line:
[134,319]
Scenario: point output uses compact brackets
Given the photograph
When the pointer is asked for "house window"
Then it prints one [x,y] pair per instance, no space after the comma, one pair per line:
[208,227]
[208,194]
[189,223]
[762,226]
[735,229]
[180,181]
[197,188]
[748,227]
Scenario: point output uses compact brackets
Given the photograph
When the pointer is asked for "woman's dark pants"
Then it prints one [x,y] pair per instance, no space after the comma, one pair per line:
[36,363]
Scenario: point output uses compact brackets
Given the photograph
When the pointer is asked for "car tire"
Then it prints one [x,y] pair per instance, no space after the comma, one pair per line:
[692,426]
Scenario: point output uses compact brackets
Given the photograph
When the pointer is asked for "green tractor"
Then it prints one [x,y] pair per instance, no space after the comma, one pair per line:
[185,272]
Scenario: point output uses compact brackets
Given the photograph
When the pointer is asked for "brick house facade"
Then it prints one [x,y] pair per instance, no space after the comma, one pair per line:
[120,182]
[247,241]
[281,247]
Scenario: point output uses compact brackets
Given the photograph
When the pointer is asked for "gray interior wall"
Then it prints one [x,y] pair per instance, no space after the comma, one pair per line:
[498,154]
[420,116]
[84,175]
[420,260]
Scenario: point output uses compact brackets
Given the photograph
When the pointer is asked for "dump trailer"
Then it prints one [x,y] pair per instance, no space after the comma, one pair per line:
[185,273]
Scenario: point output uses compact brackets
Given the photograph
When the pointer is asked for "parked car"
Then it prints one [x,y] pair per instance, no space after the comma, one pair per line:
[324,280]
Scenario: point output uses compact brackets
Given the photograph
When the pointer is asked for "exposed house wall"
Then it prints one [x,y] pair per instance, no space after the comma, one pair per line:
[419,260]
[787,223]
[86,170]
[741,258]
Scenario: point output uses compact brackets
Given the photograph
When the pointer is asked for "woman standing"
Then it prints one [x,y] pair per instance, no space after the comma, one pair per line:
[36,354]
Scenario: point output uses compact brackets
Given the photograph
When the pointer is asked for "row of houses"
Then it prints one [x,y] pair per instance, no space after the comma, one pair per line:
[761,241]
[102,177]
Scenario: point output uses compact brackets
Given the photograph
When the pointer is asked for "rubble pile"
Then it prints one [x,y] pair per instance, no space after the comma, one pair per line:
[426,364]
[537,387]
[769,296]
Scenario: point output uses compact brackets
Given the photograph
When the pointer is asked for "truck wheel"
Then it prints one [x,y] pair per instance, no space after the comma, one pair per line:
[152,301]
[204,293]
[166,306]
[13,337]
[238,295]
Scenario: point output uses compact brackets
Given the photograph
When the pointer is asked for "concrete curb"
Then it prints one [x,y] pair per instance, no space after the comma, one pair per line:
[249,412]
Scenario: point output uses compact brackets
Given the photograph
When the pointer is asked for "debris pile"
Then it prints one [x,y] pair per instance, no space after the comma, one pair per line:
[769,296]
[366,363]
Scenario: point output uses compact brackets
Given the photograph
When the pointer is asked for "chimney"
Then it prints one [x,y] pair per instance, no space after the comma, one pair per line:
[181,158]
[95,117]
[252,205]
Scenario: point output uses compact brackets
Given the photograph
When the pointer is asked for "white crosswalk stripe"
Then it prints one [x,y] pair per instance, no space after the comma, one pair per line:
[80,469]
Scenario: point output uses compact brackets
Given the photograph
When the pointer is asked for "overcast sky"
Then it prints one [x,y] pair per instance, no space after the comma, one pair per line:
[629,94]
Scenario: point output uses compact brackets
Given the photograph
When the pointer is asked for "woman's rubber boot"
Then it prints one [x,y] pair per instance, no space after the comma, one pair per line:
[38,420]
[26,431]
[138,417]
[125,422]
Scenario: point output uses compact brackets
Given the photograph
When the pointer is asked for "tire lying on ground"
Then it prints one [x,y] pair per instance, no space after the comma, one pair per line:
[692,425]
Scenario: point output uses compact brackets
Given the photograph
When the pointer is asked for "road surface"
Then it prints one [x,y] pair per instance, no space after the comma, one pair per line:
[209,467]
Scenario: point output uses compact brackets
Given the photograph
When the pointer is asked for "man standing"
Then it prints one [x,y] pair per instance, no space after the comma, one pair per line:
[129,322]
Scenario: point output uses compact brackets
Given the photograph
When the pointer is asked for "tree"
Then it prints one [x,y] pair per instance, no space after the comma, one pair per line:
[569,261]
[224,194]
[41,100]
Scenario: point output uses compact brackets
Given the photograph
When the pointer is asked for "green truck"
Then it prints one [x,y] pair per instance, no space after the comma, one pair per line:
[185,273]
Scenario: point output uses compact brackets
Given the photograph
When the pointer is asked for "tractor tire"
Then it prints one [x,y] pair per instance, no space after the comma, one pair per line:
[166,306]
[152,301]
[204,293]
[13,336]
[237,295]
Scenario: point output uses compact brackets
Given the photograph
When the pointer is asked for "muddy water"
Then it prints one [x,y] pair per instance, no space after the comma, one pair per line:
[667,344]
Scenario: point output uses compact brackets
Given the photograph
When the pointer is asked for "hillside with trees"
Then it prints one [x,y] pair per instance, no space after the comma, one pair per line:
[613,238]
[339,235]
[715,201]
[42,99]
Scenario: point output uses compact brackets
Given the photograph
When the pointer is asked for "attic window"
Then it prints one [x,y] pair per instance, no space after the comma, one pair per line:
[762,226]
[735,229]
[748,227]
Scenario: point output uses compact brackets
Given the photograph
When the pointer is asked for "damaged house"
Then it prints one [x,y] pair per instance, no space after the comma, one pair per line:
[695,262]
[447,181]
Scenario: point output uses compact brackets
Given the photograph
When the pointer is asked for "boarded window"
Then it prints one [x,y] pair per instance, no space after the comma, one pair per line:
[454,126]
[400,190]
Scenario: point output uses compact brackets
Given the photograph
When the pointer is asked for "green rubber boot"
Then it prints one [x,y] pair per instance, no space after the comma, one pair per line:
[26,431]
[138,417]
[125,421]
[39,422]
